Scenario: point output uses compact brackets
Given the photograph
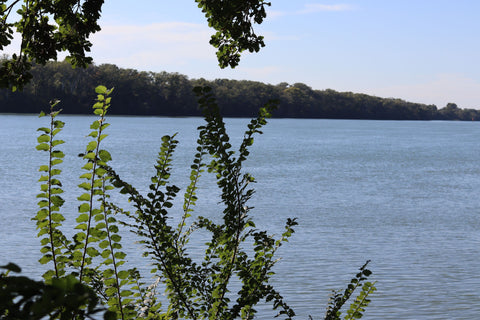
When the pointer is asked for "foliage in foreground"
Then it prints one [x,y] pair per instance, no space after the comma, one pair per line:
[227,283]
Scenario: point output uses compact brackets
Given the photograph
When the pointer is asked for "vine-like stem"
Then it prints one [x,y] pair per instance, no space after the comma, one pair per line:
[50,227]
[362,301]
[188,201]
[92,193]
[119,297]
[9,9]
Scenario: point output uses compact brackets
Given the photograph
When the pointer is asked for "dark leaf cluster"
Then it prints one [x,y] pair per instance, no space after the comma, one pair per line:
[65,298]
[47,27]
[233,21]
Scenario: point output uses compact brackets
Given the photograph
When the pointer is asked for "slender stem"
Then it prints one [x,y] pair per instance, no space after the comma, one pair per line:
[119,298]
[188,201]
[9,9]
[50,227]
[360,303]
[92,193]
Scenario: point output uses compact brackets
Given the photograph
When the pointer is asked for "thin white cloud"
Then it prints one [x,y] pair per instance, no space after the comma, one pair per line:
[318,7]
[147,46]
[310,9]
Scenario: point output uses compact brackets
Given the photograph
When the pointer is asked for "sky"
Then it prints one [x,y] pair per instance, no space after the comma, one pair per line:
[424,51]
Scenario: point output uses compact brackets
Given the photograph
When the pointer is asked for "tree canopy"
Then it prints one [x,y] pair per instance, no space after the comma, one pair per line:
[48,27]
[170,94]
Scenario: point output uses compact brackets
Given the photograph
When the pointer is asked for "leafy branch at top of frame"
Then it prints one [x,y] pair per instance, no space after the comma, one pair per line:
[234,21]
[50,27]
[46,28]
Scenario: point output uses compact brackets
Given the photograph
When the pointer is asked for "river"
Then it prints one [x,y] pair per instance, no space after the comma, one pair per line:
[403,194]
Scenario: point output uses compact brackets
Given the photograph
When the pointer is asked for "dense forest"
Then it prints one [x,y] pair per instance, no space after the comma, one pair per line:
[170,94]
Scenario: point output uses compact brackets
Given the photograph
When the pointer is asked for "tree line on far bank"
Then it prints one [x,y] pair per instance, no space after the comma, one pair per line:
[170,94]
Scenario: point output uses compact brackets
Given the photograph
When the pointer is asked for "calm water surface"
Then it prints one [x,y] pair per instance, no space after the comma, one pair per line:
[403,194]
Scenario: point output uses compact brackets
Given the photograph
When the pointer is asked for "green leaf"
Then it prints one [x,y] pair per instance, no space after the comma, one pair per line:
[88,165]
[87,175]
[85,185]
[58,124]
[57,217]
[84,197]
[104,244]
[55,172]
[107,273]
[42,214]
[104,155]
[126,293]
[103,136]
[84,207]
[100,172]
[57,142]
[98,106]
[56,131]
[43,203]
[43,147]
[83,227]
[123,274]
[119,255]
[58,154]
[92,145]
[89,156]
[95,126]
[92,252]
[105,254]
[101,90]
[56,161]
[45,259]
[43,138]
[83,217]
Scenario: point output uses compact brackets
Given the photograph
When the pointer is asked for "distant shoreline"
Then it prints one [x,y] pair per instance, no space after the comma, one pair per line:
[165,94]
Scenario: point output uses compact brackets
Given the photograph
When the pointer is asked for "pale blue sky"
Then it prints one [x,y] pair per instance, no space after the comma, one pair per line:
[419,50]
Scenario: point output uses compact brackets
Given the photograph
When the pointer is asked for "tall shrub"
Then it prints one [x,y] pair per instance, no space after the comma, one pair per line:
[92,261]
